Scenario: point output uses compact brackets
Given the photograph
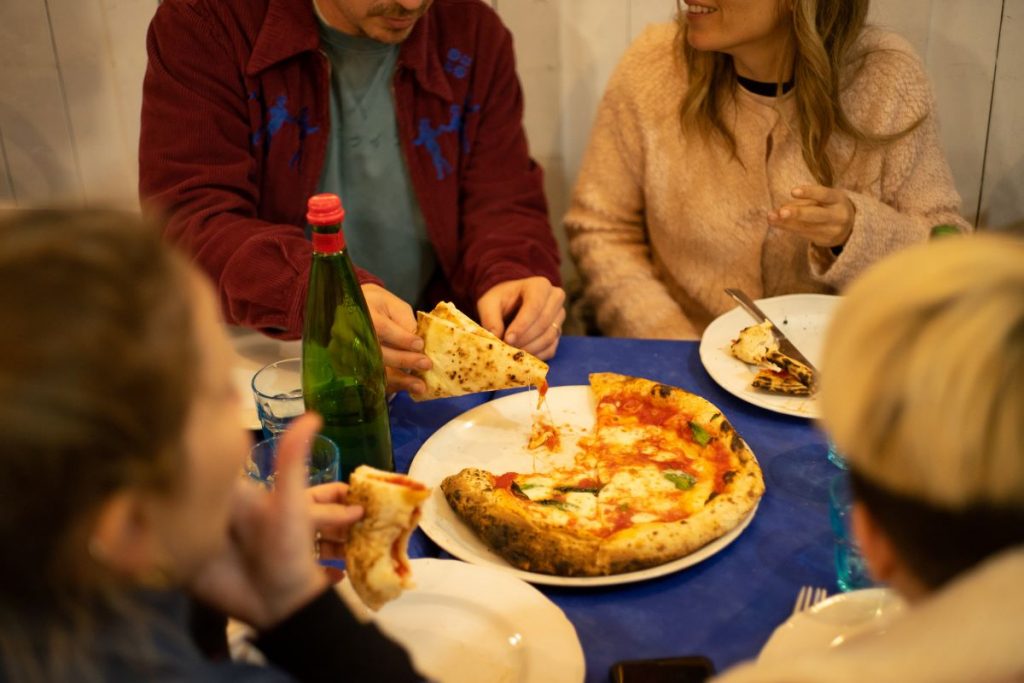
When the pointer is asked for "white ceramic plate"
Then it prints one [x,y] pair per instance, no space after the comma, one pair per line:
[833,621]
[462,619]
[493,437]
[803,318]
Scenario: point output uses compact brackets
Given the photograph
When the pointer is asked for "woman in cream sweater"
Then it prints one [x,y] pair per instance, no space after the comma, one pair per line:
[778,146]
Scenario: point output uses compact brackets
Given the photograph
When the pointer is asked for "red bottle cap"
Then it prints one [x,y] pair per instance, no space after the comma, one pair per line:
[325,209]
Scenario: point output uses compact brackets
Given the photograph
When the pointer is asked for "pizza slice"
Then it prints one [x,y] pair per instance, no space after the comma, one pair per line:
[779,382]
[755,343]
[469,359]
[777,373]
[376,554]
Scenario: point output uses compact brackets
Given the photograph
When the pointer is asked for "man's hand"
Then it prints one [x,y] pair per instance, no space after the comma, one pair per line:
[395,324]
[821,214]
[536,308]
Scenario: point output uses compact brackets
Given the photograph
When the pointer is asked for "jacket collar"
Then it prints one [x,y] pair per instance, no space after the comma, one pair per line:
[290,28]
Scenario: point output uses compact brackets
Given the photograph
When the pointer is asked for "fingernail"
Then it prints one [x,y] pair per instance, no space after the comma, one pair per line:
[785,213]
[798,191]
[417,345]
[510,338]
[423,364]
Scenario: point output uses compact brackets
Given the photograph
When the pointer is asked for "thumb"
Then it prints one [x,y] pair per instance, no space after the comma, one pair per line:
[491,317]
[292,454]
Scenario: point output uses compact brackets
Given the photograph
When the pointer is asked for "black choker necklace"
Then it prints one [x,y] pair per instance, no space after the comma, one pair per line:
[762,88]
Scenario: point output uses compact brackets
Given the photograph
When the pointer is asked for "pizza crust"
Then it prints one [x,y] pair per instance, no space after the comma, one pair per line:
[376,556]
[468,359]
[523,541]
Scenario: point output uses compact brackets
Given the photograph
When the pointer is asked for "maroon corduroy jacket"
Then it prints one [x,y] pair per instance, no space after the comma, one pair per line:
[235,120]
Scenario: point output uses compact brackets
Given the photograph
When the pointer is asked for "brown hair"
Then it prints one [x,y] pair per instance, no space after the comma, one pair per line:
[824,35]
[97,370]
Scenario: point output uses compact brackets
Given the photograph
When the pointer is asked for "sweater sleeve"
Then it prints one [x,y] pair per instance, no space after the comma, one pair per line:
[605,222]
[916,190]
[506,234]
[323,641]
[196,164]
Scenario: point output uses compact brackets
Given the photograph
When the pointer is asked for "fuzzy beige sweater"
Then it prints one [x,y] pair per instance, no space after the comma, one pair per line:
[659,224]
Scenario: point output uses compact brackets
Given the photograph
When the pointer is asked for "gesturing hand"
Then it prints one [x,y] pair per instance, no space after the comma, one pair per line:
[395,324]
[267,569]
[538,311]
[823,215]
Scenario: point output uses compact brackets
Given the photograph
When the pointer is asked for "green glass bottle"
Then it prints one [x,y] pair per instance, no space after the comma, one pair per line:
[342,369]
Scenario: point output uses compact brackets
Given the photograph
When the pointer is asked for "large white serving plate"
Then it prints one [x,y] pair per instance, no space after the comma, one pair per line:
[804,318]
[493,437]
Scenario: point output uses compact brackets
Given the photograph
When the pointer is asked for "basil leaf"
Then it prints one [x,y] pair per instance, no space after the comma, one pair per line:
[517,491]
[560,504]
[578,489]
[700,435]
[682,480]
[527,487]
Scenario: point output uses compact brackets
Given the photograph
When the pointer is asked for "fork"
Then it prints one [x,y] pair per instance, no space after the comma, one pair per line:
[808,597]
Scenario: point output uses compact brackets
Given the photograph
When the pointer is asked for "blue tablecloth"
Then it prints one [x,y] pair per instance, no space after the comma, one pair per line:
[725,607]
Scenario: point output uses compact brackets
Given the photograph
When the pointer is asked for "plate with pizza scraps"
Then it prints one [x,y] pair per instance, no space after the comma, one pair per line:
[494,437]
[804,318]
[493,622]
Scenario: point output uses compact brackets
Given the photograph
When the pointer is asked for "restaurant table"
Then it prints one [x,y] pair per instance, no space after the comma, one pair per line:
[724,607]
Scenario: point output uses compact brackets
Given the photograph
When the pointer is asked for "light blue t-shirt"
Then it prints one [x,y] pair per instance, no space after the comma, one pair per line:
[384,227]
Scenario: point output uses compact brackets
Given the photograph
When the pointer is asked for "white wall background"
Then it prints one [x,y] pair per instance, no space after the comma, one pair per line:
[71,71]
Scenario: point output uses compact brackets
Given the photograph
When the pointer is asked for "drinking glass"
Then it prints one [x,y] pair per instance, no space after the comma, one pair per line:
[851,569]
[323,462]
[835,457]
[277,389]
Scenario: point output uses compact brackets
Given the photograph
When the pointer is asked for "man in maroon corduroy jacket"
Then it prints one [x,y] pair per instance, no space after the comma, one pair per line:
[236,135]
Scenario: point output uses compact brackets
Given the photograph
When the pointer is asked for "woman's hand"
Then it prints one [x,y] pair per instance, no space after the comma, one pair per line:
[395,324]
[332,518]
[267,569]
[537,311]
[823,215]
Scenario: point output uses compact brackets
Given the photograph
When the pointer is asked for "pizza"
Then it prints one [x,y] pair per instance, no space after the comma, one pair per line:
[468,359]
[776,372]
[376,551]
[661,474]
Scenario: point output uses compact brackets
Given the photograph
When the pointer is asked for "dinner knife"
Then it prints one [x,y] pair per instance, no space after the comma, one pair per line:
[785,346]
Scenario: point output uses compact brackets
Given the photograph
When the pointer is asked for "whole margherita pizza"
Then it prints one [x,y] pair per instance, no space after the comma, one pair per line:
[662,474]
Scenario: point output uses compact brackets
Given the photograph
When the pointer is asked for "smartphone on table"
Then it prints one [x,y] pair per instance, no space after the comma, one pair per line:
[665,670]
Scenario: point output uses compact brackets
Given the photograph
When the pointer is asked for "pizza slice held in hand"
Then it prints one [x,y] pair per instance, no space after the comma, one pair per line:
[468,359]
[376,557]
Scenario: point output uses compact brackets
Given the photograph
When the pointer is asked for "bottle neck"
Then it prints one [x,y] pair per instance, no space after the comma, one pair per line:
[328,242]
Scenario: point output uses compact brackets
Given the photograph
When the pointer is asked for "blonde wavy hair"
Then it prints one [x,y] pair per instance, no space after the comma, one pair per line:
[824,36]
[923,373]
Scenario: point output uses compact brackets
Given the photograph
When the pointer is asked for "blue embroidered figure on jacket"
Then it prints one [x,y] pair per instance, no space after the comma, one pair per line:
[277,116]
[457,63]
[428,136]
